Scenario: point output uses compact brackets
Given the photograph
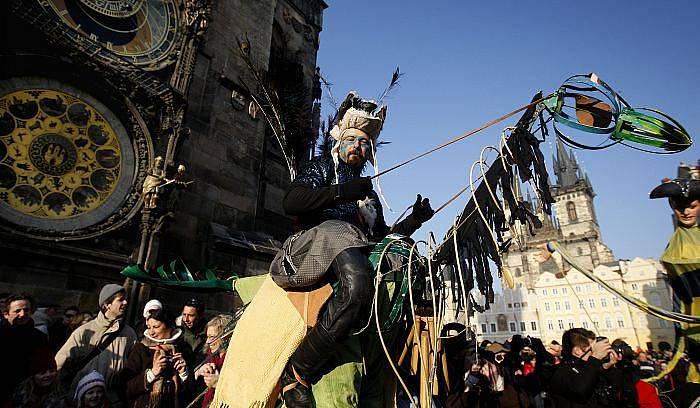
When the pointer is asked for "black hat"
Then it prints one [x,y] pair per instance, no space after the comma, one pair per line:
[678,188]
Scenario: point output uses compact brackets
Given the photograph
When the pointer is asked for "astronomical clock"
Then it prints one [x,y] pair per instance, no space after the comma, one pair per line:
[144,32]
[74,153]
[68,164]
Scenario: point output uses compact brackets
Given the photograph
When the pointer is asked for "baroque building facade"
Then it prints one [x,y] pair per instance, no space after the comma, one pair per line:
[544,303]
[128,134]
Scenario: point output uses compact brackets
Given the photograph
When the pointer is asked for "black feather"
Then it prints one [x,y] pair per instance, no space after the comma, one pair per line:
[395,77]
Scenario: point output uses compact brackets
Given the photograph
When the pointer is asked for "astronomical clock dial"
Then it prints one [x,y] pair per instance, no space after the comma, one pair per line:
[66,160]
[144,32]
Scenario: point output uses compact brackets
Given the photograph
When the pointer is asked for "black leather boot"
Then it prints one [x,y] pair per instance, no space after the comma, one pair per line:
[304,367]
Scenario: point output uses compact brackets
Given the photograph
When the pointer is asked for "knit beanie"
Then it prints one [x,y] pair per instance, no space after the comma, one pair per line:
[109,290]
[90,381]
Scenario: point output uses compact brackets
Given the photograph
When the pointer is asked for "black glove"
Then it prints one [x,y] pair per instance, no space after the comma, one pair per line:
[357,189]
[422,211]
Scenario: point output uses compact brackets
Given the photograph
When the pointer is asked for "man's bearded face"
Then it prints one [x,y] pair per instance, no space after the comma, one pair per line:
[686,211]
[355,148]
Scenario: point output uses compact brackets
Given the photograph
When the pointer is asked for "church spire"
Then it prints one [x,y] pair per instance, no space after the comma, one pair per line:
[566,167]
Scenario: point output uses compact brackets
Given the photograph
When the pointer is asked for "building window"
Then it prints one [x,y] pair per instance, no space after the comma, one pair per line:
[600,287]
[524,304]
[642,321]
[608,323]
[555,291]
[522,326]
[589,288]
[571,211]
[616,301]
[580,304]
[544,292]
[591,303]
[512,327]
[561,324]
[584,324]
[635,286]
[550,326]
[620,322]
[571,324]
[516,305]
[493,327]
[483,327]
[533,326]
[579,251]
[596,325]
[557,306]
[578,289]
[662,323]
[518,272]
[603,302]
[546,307]
[510,305]
[564,291]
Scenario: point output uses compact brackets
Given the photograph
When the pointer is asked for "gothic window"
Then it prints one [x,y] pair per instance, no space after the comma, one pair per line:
[571,211]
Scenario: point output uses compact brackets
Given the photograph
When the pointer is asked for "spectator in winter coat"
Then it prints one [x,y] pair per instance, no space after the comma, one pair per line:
[210,369]
[584,379]
[101,345]
[41,388]
[91,392]
[19,340]
[156,373]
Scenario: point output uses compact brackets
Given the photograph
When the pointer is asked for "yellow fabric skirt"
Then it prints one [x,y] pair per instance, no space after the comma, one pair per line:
[265,337]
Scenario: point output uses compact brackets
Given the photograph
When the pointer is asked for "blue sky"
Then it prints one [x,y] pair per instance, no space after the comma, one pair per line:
[466,63]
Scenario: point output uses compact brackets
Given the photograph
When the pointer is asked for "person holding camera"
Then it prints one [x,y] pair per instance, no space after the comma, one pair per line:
[156,373]
[587,377]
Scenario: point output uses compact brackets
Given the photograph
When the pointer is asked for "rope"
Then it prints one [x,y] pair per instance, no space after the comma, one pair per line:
[457,139]
[375,308]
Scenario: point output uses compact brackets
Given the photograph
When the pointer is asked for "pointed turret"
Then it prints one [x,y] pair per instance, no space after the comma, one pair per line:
[566,167]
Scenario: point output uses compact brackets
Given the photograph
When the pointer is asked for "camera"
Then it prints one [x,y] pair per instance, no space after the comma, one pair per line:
[606,359]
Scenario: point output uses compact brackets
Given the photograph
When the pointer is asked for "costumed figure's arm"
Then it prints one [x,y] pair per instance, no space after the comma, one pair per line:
[421,213]
[310,193]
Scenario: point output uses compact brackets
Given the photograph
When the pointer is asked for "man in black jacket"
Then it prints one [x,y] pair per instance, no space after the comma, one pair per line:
[342,218]
[587,377]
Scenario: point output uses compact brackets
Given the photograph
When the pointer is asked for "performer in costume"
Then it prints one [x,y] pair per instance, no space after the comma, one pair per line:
[681,259]
[341,216]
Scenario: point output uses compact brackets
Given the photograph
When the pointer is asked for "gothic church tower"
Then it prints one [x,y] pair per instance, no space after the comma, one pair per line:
[573,224]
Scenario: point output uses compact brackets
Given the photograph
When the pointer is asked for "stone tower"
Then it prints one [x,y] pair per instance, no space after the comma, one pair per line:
[573,224]
[574,196]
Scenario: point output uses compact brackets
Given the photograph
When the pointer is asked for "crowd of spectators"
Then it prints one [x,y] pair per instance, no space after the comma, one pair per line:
[68,358]
[65,357]
[581,370]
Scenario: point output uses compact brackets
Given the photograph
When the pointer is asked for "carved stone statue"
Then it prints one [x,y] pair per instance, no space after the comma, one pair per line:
[152,184]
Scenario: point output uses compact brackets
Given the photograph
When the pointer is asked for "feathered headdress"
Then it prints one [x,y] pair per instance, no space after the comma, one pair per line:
[358,113]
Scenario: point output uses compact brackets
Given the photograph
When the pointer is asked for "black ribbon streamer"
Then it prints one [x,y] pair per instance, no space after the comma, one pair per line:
[474,243]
